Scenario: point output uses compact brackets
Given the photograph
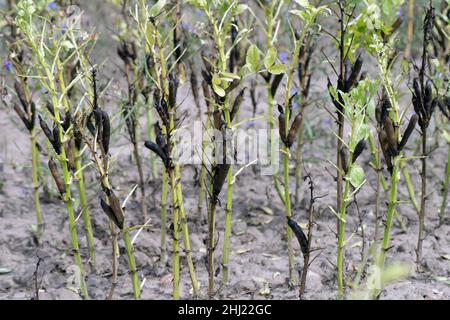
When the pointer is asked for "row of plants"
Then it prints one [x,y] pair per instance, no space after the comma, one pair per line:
[258,54]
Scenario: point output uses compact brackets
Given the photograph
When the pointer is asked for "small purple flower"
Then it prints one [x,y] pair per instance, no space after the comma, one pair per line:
[63,28]
[283,57]
[52,6]
[184,25]
[8,65]
[250,124]
[400,12]
[328,122]
[200,13]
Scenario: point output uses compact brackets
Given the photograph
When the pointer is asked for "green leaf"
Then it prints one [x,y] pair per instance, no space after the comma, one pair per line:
[241,8]
[219,90]
[277,68]
[198,3]
[157,7]
[269,59]
[356,175]
[216,83]
[252,58]
[303,3]
[228,76]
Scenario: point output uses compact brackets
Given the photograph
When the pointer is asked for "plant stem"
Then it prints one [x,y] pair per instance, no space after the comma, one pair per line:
[115,253]
[185,232]
[175,235]
[341,240]
[165,183]
[35,166]
[80,178]
[298,155]
[177,197]
[211,246]
[131,263]
[286,155]
[151,136]
[423,199]
[390,213]
[141,177]
[227,235]
[445,188]
[287,203]
[410,187]
[85,210]
[229,204]
[66,174]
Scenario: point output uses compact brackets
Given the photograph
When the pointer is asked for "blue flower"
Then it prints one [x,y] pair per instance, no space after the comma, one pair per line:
[52,6]
[283,57]
[328,122]
[185,25]
[8,65]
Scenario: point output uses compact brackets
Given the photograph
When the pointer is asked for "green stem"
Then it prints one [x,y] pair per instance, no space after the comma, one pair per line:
[423,197]
[66,176]
[165,183]
[151,136]
[131,263]
[287,204]
[35,167]
[445,188]
[227,235]
[175,235]
[390,214]
[185,232]
[298,158]
[286,155]
[410,187]
[211,244]
[85,209]
[341,239]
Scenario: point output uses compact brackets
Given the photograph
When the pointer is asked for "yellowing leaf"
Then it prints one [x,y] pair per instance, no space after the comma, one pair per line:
[277,69]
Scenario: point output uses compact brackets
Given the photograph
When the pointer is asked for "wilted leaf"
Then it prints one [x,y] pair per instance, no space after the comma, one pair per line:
[4,270]
[243,250]
[267,210]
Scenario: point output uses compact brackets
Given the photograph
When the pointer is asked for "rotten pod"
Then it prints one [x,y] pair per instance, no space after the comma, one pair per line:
[220,174]
[360,146]
[56,177]
[344,159]
[301,237]
[294,130]
[409,130]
